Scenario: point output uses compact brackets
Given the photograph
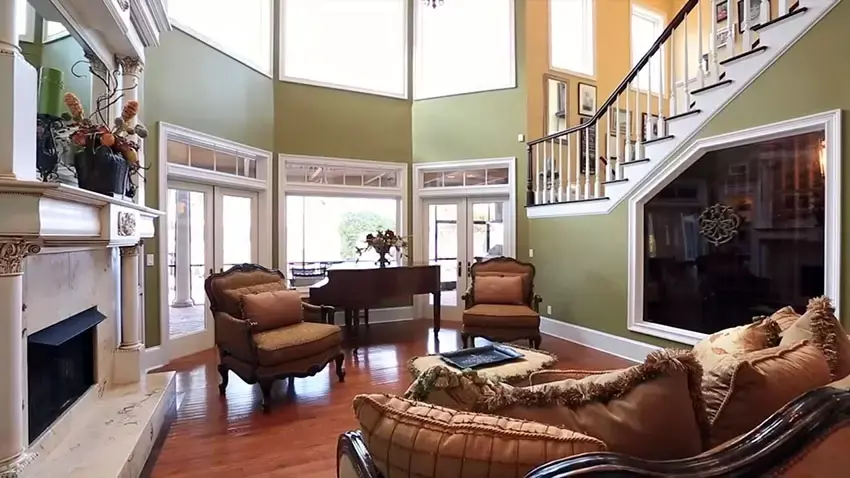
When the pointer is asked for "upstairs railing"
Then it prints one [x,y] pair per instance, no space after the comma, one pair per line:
[576,164]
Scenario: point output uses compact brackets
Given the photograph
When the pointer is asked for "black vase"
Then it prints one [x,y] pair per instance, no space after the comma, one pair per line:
[102,170]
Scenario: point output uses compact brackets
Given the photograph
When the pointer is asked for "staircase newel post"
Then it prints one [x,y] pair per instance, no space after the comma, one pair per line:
[529,184]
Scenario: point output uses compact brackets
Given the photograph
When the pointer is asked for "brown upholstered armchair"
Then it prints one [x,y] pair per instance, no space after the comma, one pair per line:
[265,332]
[500,304]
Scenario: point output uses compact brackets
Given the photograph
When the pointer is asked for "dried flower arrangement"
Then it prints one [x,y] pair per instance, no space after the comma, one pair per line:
[383,242]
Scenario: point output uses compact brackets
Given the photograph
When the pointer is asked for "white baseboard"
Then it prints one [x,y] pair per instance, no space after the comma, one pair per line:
[611,344]
[380,316]
[154,357]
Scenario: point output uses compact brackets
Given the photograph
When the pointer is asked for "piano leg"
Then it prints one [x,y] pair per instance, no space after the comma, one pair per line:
[437,309]
[366,317]
[348,321]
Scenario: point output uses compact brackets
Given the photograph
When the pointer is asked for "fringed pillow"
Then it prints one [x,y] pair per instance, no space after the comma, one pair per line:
[820,325]
[652,411]
[459,390]
[763,333]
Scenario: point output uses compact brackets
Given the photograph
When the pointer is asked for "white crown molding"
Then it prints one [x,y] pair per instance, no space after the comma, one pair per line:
[150,19]
[829,122]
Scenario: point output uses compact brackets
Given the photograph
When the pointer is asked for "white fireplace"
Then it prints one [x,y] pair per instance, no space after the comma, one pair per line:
[70,273]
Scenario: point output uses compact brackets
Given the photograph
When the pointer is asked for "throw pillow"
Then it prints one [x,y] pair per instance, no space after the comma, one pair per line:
[455,389]
[652,411]
[231,302]
[272,310]
[761,334]
[408,438]
[745,390]
[785,317]
[497,290]
[820,325]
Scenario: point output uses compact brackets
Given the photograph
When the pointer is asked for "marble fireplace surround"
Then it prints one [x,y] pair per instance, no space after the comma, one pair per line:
[62,251]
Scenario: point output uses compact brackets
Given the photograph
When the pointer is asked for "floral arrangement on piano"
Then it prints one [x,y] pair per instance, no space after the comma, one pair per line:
[383,242]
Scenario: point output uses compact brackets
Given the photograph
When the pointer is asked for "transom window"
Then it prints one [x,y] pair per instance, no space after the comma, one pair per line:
[211,160]
[466,177]
[358,45]
[240,29]
[571,36]
[646,28]
[463,47]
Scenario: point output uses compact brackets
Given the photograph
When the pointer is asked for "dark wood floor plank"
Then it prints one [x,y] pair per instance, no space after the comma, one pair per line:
[229,436]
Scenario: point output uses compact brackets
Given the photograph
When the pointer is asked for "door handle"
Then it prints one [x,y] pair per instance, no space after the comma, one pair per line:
[459,268]
[211,271]
[469,269]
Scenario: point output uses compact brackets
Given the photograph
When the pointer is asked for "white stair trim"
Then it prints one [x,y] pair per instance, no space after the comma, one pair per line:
[778,38]
[604,342]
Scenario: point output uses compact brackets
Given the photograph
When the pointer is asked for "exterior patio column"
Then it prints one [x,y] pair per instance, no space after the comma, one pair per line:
[183,253]
[13,445]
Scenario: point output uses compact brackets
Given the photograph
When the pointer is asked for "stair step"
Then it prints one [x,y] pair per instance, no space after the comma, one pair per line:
[719,84]
[692,112]
[658,140]
[615,181]
[636,161]
[741,56]
[781,18]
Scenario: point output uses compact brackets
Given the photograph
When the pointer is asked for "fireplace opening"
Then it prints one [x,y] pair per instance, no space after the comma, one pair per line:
[60,367]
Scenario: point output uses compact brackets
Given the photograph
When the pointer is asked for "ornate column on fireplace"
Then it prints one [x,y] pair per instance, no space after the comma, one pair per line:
[13,444]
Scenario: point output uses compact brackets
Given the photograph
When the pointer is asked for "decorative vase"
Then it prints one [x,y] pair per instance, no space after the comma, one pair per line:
[382,257]
[102,170]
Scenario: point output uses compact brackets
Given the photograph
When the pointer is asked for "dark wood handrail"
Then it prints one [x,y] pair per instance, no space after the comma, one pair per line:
[667,33]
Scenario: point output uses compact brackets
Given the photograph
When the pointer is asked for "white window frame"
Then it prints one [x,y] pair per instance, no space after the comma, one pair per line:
[418,66]
[660,20]
[590,37]
[399,192]
[829,122]
[405,63]
[241,58]
[45,38]
[262,185]
[28,35]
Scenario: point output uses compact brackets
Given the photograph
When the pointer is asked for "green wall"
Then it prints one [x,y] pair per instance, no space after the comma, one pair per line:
[478,126]
[582,261]
[61,55]
[189,84]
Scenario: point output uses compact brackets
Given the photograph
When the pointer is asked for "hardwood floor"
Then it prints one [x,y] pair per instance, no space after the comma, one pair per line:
[215,436]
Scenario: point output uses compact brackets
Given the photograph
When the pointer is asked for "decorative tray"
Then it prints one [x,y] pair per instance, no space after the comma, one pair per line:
[477,357]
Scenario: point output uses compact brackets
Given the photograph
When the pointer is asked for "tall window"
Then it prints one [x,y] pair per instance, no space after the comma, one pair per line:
[357,45]
[25,23]
[240,29]
[646,28]
[571,36]
[464,47]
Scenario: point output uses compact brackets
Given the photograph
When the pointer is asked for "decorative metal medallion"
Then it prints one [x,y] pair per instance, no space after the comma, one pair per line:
[719,224]
[126,224]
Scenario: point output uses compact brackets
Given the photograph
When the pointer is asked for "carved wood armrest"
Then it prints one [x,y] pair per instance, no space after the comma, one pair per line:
[781,439]
[352,448]
[235,336]
[467,298]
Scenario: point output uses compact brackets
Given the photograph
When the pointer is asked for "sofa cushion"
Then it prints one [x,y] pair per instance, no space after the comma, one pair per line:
[785,317]
[521,272]
[231,299]
[295,342]
[413,439]
[652,411]
[820,325]
[498,290]
[459,390]
[273,309]
[501,316]
[759,335]
[742,391]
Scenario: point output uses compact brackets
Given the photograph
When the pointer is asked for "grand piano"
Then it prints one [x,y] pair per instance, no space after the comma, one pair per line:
[355,289]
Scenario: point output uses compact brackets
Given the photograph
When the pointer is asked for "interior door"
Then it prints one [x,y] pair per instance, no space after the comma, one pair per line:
[446,247]
[190,239]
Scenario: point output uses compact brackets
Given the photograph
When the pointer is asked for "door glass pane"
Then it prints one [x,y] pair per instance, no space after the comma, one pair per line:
[442,248]
[488,229]
[186,261]
[236,225]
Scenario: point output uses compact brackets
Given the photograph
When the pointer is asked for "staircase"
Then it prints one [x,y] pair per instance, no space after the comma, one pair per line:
[682,82]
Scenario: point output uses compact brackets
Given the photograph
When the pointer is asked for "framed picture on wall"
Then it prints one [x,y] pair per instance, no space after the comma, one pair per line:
[586,99]
[622,117]
[721,38]
[587,142]
[721,11]
[644,122]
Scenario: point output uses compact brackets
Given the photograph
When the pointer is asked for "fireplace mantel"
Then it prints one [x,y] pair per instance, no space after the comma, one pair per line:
[60,215]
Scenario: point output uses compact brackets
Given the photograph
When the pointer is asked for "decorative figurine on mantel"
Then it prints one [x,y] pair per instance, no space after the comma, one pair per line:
[383,242]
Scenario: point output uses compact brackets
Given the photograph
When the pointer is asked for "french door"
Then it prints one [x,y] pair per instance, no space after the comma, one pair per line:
[209,228]
[460,232]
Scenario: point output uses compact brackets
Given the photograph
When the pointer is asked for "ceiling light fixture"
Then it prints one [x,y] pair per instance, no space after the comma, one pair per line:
[432,3]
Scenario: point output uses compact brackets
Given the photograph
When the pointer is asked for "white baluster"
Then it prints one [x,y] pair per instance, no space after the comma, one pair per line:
[782,7]
[745,22]
[649,98]
[569,178]
[538,191]
[552,184]
[628,152]
[712,53]
[661,115]
[687,60]
[597,185]
[637,155]
[609,168]
[674,105]
[586,132]
[701,71]
[730,27]
[617,133]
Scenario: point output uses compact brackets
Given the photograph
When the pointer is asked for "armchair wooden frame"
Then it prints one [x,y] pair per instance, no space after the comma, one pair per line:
[531,299]
[250,371]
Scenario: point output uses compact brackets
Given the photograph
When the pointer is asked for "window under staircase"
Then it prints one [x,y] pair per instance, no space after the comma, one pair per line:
[707,55]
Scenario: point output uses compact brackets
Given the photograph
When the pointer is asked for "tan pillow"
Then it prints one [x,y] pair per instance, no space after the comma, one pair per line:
[820,325]
[759,335]
[232,298]
[785,317]
[497,290]
[459,390]
[652,411]
[743,391]
[273,310]
[414,439]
